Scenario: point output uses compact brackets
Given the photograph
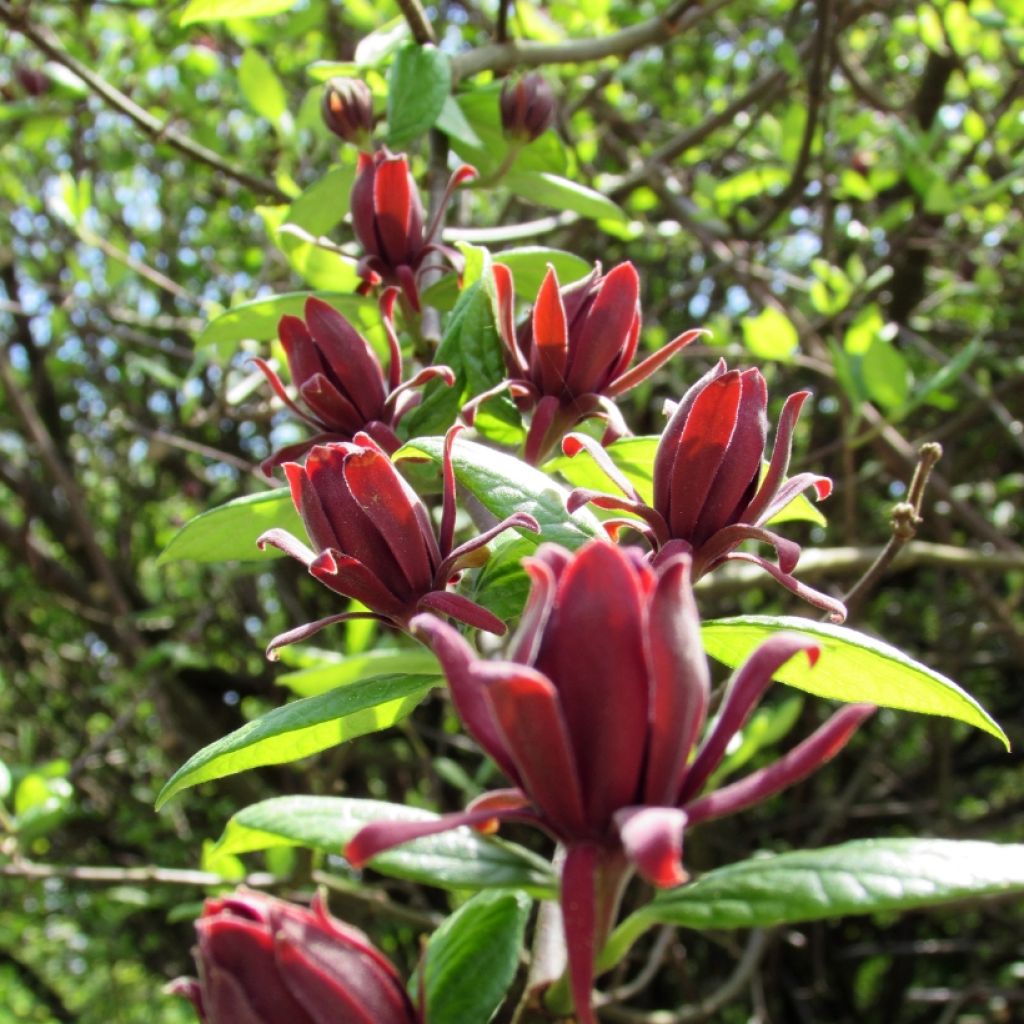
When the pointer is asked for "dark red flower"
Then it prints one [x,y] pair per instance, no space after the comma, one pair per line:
[373,539]
[340,382]
[387,216]
[708,493]
[594,719]
[572,357]
[264,961]
[527,107]
[347,109]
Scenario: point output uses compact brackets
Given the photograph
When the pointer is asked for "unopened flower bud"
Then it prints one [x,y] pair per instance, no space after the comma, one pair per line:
[348,109]
[527,107]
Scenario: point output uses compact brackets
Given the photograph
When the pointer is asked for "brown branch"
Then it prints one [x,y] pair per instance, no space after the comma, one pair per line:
[45,41]
[422,30]
[679,16]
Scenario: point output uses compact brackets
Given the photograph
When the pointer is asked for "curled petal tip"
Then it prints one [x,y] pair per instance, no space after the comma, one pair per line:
[571,445]
[467,172]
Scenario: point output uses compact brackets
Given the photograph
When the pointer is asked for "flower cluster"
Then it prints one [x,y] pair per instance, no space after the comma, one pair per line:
[597,714]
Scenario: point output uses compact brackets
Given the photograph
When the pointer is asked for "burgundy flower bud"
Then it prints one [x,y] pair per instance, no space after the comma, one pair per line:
[595,719]
[572,357]
[33,81]
[709,496]
[347,109]
[264,961]
[527,107]
[373,539]
[387,216]
[341,386]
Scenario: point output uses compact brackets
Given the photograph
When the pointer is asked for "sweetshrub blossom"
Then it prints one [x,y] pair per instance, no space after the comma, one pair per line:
[341,385]
[527,107]
[572,357]
[708,493]
[594,718]
[387,216]
[264,961]
[374,541]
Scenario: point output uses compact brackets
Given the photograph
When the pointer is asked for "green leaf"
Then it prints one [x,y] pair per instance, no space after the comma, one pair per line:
[324,204]
[633,455]
[853,667]
[751,182]
[471,959]
[261,87]
[228,533]
[529,264]
[460,859]
[302,728]
[419,82]
[325,70]
[316,260]
[472,348]
[452,121]
[560,193]
[258,318]
[886,375]
[502,585]
[308,682]
[223,10]
[770,335]
[504,484]
[866,876]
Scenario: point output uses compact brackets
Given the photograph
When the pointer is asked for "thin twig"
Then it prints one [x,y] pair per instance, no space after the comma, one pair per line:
[45,40]
[906,516]
[422,30]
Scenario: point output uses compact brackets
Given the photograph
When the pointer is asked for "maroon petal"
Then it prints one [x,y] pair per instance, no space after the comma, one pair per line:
[278,388]
[291,452]
[788,491]
[550,338]
[447,534]
[665,456]
[605,332]
[305,631]
[504,292]
[680,683]
[579,915]
[526,642]
[744,693]
[456,606]
[719,545]
[835,608]
[307,502]
[303,358]
[363,217]
[460,664]
[573,444]
[284,541]
[623,383]
[526,710]
[349,577]
[734,483]
[821,746]
[398,213]
[653,840]
[779,463]
[390,504]
[461,174]
[700,452]
[348,354]
[387,315]
[381,836]
[539,439]
[454,562]
[580,497]
[332,408]
[594,650]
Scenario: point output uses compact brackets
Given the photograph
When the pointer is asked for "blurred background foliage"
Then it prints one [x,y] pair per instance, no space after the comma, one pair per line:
[833,188]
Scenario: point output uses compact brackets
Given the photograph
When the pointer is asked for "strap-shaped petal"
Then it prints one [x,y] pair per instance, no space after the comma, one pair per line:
[835,608]
[727,539]
[807,757]
[459,607]
[305,631]
[644,369]
[778,466]
[653,840]
[579,915]
[550,352]
[349,577]
[333,410]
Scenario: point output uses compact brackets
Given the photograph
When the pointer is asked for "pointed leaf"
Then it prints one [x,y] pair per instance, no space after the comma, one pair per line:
[419,82]
[563,194]
[460,859]
[222,10]
[308,682]
[853,667]
[304,727]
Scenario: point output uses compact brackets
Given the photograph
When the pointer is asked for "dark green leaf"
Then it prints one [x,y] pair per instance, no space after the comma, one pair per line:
[460,859]
[304,727]
[229,532]
[853,667]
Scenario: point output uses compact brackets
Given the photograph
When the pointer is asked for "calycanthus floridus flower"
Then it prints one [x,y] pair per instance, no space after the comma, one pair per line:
[572,357]
[595,719]
[373,539]
[341,386]
[709,496]
[387,217]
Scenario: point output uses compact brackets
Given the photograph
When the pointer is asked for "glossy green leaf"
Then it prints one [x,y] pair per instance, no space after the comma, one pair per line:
[304,727]
[459,859]
[308,682]
[529,265]
[471,959]
[504,484]
[323,205]
[560,193]
[853,667]
[419,83]
[261,87]
[866,876]
[258,318]
[223,10]
[228,533]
